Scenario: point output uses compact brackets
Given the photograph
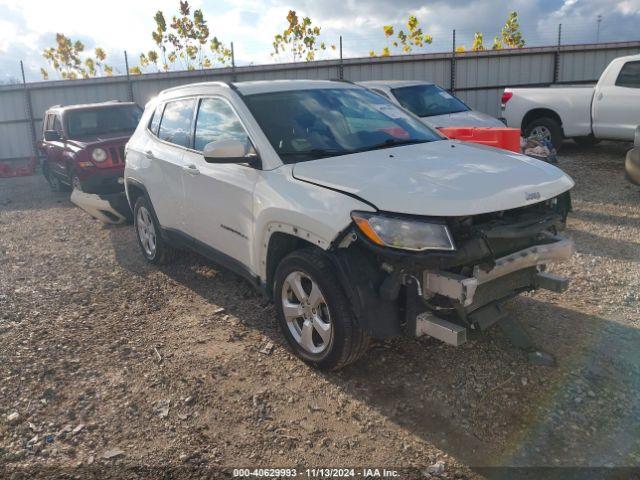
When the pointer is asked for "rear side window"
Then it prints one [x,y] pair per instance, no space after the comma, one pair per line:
[217,121]
[175,126]
[155,119]
[629,76]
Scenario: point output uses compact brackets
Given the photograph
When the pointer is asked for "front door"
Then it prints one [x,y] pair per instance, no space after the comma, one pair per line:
[616,108]
[219,197]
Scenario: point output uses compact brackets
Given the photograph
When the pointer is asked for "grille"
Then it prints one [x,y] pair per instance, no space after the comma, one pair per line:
[117,155]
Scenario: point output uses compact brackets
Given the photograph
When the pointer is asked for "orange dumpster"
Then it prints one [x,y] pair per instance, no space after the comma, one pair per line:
[505,138]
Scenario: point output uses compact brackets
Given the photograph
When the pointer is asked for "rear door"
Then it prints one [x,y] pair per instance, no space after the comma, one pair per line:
[616,109]
[219,197]
[165,151]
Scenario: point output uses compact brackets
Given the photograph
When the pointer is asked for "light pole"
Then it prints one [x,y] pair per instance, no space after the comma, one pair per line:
[599,19]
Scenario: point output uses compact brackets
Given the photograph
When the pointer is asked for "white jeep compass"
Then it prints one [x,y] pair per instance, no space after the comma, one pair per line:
[357,220]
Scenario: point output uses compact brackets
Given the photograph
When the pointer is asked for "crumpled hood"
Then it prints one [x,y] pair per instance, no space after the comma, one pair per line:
[470,118]
[442,178]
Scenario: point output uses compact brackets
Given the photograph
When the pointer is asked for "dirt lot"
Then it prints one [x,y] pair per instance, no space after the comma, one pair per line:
[107,363]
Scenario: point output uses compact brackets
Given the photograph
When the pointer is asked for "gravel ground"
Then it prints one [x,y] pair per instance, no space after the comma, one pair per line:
[107,363]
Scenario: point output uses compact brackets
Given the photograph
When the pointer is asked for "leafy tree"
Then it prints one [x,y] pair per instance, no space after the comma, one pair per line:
[478,42]
[511,35]
[69,60]
[300,40]
[407,41]
[185,41]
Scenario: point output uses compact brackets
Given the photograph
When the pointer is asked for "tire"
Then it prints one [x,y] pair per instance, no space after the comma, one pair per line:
[548,125]
[588,141]
[343,342]
[54,181]
[154,248]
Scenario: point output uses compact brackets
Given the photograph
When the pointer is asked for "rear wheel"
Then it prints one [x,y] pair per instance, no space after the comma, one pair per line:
[545,128]
[314,313]
[153,247]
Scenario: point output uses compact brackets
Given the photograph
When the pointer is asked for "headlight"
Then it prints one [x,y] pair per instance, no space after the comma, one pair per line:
[99,155]
[403,233]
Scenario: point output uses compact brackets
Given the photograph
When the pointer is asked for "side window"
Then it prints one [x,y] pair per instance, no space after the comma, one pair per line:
[629,76]
[216,121]
[155,119]
[175,126]
[46,125]
[57,126]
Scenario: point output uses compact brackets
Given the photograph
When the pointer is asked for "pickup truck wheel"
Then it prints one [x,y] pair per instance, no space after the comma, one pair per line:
[53,181]
[546,128]
[314,313]
[153,247]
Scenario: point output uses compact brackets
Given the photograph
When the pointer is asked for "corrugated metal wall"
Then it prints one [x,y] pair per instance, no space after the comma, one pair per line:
[480,78]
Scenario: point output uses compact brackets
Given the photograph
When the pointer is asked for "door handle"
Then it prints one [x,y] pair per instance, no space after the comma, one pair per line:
[149,154]
[191,169]
[600,95]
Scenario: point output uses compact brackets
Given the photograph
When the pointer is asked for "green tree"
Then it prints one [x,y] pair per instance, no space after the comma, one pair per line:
[511,35]
[407,41]
[184,41]
[300,40]
[478,42]
[70,61]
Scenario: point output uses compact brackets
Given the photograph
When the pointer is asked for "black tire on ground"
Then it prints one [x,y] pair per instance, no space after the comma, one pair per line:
[348,341]
[53,180]
[588,141]
[550,124]
[162,253]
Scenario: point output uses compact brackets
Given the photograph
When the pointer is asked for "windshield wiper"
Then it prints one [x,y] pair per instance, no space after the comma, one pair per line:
[391,142]
[316,152]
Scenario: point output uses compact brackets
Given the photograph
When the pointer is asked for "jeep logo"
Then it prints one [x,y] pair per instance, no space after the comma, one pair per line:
[531,195]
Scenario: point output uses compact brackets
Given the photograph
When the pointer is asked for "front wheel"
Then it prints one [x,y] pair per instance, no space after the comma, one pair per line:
[314,313]
[545,128]
[54,181]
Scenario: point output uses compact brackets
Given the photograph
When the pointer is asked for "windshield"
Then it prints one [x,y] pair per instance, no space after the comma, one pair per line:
[306,125]
[97,121]
[428,100]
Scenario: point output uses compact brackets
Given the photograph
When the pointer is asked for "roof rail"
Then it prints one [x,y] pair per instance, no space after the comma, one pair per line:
[193,85]
[343,80]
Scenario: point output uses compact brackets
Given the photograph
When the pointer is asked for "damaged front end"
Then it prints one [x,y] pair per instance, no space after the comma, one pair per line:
[445,294]
[112,208]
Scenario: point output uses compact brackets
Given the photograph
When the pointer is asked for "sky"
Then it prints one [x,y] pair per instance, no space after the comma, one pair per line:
[29,26]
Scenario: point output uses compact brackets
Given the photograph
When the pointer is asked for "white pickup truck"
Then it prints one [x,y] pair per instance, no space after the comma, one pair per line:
[587,114]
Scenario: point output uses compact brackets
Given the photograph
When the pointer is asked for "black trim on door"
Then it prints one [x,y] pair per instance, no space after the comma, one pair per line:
[181,239]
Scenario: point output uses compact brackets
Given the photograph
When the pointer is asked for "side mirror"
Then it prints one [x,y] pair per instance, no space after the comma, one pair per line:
[636,139]
[52,136]
[230,151]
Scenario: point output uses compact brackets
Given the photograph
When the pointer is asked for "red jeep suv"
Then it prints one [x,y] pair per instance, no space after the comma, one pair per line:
[84,145]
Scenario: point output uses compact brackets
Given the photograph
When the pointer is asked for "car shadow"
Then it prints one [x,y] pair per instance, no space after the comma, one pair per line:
[583,411]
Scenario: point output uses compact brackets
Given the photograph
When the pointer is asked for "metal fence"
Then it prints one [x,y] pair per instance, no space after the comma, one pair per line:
[478,78]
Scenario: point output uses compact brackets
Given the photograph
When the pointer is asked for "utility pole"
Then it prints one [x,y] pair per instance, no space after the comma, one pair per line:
[599,19]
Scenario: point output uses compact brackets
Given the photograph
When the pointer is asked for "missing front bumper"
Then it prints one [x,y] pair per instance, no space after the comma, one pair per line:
[517,270]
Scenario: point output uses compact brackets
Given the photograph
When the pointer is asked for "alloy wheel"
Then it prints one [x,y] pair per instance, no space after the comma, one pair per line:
[306,313]
[541,132]
[146,231]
